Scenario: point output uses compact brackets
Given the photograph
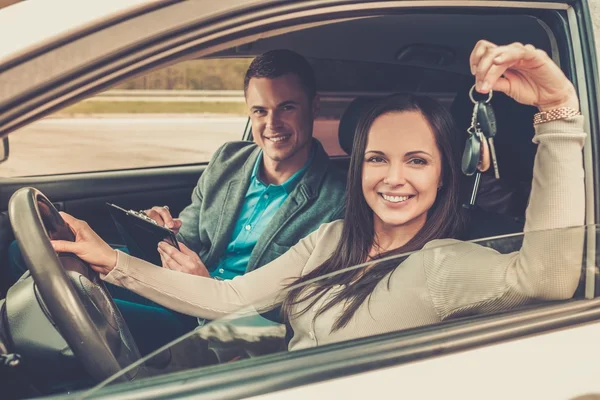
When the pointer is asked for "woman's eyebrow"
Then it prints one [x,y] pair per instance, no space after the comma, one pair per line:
[415,152]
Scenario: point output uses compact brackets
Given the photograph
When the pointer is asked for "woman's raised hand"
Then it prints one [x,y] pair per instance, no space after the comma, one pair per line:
[524,73]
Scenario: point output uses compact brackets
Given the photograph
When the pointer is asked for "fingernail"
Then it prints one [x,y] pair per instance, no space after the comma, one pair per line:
[485,87]
[473,69]
[170,224]
[498,59]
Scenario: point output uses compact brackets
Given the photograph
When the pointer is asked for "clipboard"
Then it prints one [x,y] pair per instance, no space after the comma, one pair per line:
[141,233]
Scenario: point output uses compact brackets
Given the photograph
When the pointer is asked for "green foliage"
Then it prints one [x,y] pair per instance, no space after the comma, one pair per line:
[207,74]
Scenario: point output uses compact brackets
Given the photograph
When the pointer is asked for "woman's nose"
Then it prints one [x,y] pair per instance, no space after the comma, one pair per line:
[395,176]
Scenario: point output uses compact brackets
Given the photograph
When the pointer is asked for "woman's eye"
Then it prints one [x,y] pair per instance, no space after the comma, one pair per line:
[375,159]
[417,161]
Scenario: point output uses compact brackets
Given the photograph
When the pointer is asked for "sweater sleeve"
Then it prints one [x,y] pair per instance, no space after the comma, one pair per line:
[258,290]
[465,278]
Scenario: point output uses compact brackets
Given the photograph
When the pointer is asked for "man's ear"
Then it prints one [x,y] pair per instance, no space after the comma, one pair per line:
[316,106]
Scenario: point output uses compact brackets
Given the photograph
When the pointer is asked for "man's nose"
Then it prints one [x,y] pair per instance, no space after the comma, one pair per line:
[395,175]
[274,120]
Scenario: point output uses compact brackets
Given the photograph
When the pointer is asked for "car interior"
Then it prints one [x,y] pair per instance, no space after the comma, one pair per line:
[356,59]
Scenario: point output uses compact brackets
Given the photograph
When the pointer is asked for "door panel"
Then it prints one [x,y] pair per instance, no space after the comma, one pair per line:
[84,196]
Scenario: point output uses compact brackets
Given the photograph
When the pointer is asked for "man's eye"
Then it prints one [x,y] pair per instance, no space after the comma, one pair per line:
[288,108]
[259,112]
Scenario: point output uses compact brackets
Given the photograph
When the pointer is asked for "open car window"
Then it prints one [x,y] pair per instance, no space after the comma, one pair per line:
[247,334]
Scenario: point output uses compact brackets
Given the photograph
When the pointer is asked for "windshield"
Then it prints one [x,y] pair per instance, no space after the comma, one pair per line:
[448,280]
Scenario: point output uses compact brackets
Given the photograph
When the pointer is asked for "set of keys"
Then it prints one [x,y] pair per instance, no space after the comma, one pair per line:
[483,127]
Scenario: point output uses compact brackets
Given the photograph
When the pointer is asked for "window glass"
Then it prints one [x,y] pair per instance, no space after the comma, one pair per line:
[173,116]
[438,286]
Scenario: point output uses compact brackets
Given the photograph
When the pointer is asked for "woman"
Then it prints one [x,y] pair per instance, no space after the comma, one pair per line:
[402,181]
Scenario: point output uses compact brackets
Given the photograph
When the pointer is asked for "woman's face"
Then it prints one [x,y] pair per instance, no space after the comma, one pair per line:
[402,167]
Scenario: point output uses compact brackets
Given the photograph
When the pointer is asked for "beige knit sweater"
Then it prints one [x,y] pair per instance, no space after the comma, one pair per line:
[448,278]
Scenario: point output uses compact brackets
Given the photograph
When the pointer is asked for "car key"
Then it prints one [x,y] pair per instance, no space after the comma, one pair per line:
[486,118]
[472,152]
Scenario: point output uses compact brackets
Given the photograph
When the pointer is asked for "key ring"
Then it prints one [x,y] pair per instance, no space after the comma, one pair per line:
[490,95]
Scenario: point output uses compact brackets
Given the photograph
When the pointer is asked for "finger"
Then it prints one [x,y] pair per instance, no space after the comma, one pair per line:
[507,62]
[503,83]
[515,53]
[168,262]
[163,261]
[155,216]
[177,256]
[63,246]
[176,224]
[481,47]
[485,80]
[73,222]
[186,250]
[165,215]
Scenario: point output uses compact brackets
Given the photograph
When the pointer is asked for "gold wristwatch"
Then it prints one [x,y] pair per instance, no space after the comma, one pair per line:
[554,114]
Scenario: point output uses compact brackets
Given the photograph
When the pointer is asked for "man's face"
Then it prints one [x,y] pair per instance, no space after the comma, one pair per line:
[282,118]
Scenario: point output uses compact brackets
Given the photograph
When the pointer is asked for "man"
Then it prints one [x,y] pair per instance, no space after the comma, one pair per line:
[255,200]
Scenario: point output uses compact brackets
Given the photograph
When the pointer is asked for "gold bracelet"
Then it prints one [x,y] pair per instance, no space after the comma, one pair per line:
[555,114]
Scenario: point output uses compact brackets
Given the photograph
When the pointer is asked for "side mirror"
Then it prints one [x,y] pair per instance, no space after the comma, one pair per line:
[4,150]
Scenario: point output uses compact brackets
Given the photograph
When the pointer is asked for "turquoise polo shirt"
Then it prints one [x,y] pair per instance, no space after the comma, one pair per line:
[260,205]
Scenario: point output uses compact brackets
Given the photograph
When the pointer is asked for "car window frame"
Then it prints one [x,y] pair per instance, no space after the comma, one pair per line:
[568,314]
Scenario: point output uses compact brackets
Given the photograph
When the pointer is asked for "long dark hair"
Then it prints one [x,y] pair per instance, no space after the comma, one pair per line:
[445,218]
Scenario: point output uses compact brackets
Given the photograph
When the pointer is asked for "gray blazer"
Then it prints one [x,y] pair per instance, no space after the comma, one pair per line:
[209,221]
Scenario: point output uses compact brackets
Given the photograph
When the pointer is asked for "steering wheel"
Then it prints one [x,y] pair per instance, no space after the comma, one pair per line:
[73,294]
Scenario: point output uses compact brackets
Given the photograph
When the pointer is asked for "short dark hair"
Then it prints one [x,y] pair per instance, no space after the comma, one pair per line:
[276,63]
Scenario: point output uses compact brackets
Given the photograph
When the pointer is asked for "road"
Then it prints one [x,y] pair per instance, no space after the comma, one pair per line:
[63,145]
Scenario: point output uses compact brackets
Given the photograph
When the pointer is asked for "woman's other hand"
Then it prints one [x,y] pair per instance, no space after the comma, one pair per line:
[524,73]
[87,245]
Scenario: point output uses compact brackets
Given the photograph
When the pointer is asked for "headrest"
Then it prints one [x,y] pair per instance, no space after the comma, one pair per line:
[349,121]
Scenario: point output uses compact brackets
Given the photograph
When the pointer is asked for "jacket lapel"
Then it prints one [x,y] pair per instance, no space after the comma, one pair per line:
[236,193]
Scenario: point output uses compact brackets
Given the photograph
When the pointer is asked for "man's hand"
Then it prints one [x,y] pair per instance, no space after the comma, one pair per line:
[185,260]
[163,217]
